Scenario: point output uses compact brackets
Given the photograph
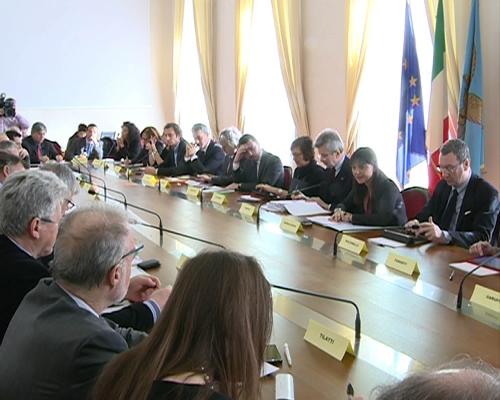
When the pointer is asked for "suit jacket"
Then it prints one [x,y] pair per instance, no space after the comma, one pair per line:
[132,147]
[74,147]
[47,149]
[210,161]
[227,176]
[270,172]
[387,206]
[309,175]
[21,273]
[477,216]
[336,188]
[54,349]
[173,165]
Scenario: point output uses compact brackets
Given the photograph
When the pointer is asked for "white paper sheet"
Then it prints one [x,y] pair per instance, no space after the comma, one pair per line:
[324,220]
[385,242]
[467,267]
[303,208]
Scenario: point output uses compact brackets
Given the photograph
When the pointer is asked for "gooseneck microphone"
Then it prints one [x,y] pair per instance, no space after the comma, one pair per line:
[160,223]
[357,322]
[105,188]
[184,235]
[482,264]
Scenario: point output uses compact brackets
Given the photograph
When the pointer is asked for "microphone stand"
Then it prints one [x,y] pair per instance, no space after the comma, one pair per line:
[357,322]
[460,289]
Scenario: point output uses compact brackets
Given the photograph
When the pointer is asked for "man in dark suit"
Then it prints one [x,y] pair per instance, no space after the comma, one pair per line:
[32,204]
[39,149]
[338,176]
[253,165]
[57,342]
[463,208]
[205,156]
[171,161]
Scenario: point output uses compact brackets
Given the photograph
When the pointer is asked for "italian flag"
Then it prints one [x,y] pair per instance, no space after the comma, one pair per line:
[440,128]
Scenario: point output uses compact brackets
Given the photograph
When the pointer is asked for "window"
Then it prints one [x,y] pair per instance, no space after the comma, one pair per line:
[266,108]
[190,99]
[380,89]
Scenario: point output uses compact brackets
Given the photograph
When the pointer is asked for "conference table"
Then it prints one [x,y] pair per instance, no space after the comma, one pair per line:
[408,322]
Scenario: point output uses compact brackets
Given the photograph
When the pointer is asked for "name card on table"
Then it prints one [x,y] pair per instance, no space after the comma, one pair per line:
[350,243]
[119,169]
[193,191]
[149,180]
[85,186]
[403,264]
[248,210]
[327,340]
[164,185]
[485,297]
[290,224]
[219,198]
[181,261]
[98,163]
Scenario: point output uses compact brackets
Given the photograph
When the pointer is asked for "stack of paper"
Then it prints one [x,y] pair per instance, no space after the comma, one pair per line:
[341,226]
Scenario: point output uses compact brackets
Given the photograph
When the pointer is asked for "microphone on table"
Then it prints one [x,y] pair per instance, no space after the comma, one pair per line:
[301,190]
[125,203]
[482,264]
[357,322]
[105,188]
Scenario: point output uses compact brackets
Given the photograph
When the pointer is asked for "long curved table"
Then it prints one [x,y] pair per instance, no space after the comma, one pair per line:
[407,322]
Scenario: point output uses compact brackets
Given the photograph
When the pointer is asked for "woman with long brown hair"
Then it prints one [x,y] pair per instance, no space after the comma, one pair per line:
[210,339]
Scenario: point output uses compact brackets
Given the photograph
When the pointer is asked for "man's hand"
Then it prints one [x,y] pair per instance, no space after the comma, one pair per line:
[44,159]
[482,249]
[191,150]
[142,287]
[412,223]
[150,171]
[240,154]
[431,231]
[59,158]
[204,178]
[233,186]
[160,296]
[264,187]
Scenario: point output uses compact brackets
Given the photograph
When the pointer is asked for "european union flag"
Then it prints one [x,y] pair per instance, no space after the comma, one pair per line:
[411,132]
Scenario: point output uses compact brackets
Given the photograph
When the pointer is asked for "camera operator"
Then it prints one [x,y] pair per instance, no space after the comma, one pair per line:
[8,116]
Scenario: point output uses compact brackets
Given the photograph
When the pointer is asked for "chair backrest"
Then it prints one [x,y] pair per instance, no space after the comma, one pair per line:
[415,199]
[287,176]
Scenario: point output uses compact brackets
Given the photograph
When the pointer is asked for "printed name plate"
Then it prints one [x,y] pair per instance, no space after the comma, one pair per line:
[193,191]
[248,209]
[98,163]
[164,185]
[149,180]
[219,198]
[290,224]
[327,340]
[403,264]
[350,243]
[485,297]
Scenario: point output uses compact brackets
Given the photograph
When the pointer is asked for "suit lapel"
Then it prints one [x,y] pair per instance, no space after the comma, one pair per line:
[467,201]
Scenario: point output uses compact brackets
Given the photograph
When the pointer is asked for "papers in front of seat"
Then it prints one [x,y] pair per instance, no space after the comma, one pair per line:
[324,220]
[384,242]
[214,189]
[297,208]
[467,267]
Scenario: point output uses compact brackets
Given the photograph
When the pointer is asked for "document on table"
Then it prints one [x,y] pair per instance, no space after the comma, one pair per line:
[324,220]
[385,242]
[467,267]
[297,208]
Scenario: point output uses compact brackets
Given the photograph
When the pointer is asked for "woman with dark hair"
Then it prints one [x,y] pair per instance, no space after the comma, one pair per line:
[209,342]
[75,142]
[129,143]
[374,198]
[151,145]
[308,175]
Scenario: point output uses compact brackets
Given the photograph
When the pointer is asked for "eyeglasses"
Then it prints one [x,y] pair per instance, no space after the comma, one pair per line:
[447,168]
[48,220]
[69,204]
[133,251]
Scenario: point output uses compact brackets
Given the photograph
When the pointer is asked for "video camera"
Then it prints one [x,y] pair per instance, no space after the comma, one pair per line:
[8,105]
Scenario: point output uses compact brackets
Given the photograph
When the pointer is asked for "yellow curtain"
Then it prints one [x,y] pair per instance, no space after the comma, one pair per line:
[204,26]
[176,50]
[287,21]
[452,30]
[358,31]
[244,14]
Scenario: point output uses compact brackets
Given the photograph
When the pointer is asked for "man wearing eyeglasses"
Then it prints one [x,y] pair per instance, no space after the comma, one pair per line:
[463,208]
[57,341]
[32,205]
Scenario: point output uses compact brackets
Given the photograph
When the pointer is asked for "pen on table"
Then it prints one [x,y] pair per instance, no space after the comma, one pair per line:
[287,355]
[350,392]
[452,275]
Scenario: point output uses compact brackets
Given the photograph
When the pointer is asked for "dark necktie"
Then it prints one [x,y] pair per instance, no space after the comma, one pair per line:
[449,211]
[39,153]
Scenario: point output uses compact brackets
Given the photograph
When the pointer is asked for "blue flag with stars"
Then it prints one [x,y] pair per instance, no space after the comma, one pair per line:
[411,132]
